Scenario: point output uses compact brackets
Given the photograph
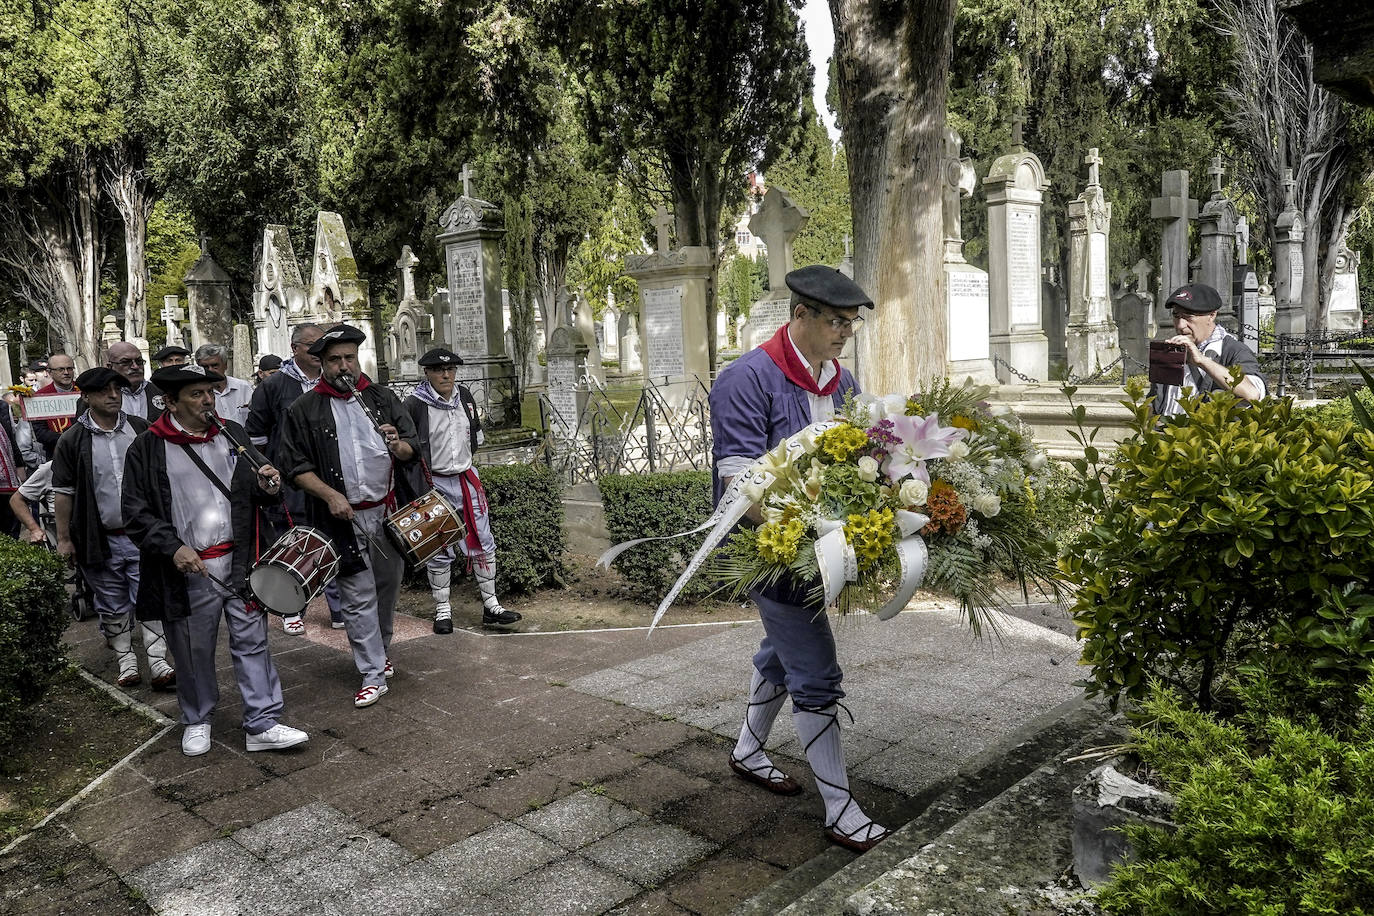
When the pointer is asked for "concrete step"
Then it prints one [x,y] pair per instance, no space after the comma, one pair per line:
[832,881]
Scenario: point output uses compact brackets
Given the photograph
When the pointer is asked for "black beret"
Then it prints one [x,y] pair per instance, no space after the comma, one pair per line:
[174,378]
[827,286]
[343,333]
[1198,299]
[269,362]
[169,352]
[438,358]
[99,378]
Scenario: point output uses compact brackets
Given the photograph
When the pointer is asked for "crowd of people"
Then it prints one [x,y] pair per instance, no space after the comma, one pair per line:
[163,491]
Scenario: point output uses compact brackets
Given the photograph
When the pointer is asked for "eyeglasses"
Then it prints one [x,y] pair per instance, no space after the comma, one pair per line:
[128,361]
[840,324]
[63,369]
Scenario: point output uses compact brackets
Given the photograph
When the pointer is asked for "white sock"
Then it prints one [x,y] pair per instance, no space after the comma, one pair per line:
[765,699]
[820,735]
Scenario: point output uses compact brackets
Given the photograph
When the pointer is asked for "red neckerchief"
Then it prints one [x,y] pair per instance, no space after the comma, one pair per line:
[325,388]
[779,348]
[162,428]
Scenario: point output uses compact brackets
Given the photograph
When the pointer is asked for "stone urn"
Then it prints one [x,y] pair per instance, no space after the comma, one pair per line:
[1103,803]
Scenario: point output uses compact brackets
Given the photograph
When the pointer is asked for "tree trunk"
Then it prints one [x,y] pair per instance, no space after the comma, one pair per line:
[696,206]
[892,62]
[89,239]
[128,187]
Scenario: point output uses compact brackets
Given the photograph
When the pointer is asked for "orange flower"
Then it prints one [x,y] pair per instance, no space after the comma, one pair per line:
[946,513]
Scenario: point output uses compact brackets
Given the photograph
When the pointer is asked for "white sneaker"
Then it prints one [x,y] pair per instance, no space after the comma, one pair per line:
[388,672]
[370,694]
[293,625]
[196,740]
[277,738]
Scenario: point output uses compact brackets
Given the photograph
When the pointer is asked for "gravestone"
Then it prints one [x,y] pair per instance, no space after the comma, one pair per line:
[610,332]
[1054,317]
[1093,341]
[470,233]
[1175,209]
[1345,315]
[1268,306]
[172,316]
[242,352]
[6,374]
[1135,320]
[846,265]
[109,331]
[1246,293]
[1015,188]
[408,335]
[630,358]
[1217,227]
[1242,240]
[1289,269]
[279,295]
[207,300]
[966,286]
[567,363]
[585,323]
[337,292]
[777,222]
[672,302]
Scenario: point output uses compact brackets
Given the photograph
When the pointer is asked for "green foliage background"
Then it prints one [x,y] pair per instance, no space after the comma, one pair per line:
[650,505]
[33,616]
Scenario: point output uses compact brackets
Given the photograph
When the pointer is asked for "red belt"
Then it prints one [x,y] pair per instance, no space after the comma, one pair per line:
[114,532]
[374,503]
[215,551]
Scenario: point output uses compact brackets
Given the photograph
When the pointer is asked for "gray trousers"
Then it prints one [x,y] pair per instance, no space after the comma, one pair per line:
[367,599]
[114,589]
[193,641]
[798,653]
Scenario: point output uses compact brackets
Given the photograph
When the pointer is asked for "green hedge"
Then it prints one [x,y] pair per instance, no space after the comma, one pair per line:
[33,615]
[526,503]
[648,505]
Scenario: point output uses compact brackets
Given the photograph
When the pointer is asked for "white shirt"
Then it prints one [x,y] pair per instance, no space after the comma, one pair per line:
[200,512]
[822,406]
[363,456]
[232,403]
[38,488]
[136,402]
[108,447]
[450,445]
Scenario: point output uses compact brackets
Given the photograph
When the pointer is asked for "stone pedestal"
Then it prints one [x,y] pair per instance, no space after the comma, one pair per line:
[672,337]
[1015,190]
[1344,315]
[1245,292]
[1289,268]
[777,222]
[207,301]
[1092,340]
[243,363]
[6,373]
[1175,209]
[966,287]
[567,364]
[471,231]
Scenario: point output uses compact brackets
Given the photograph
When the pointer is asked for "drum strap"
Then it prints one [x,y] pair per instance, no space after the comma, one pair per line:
[205,469]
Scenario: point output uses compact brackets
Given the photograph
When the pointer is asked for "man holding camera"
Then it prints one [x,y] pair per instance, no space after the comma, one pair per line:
[1211,351]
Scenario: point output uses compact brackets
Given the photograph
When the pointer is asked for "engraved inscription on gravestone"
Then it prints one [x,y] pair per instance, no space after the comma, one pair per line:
[1298,273]
[562,392]
[466,302]
[1023,244]
[765,317]
[663,333]
[1097,265]
[968,309]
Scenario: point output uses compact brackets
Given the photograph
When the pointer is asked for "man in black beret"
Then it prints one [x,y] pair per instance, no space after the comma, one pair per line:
[268,366]
[87,470]
[768,394]
[172,356]
[1211,352]
[191,504]
[342,444]
[445,417]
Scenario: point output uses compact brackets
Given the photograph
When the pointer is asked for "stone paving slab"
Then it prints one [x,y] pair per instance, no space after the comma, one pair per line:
[533,773]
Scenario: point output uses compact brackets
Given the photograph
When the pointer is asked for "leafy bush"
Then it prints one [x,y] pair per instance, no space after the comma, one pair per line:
[650,505]
[1274,815]
[527,523]
[1220,535]
[33,616]
[1338,410]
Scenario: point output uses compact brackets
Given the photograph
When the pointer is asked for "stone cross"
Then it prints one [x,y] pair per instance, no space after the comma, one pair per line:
[1290,191]
[1242,241]
[204,243]
[1216,171]
[406,264]
[777,222]
[959,181]
[1093,160]
[1176,209]
[466,175]
[1018,121]
[1142,271]
[662,220]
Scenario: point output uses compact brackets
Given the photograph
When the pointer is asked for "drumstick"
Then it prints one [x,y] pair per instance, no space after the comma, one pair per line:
[244,450]
[371,540]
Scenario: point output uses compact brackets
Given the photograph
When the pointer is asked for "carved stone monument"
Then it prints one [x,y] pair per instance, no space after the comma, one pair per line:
[672,296]
[1217,226]
[409,333]
[1345,315]
[585,323]
[777,222]
[1092,335]
[242,353]
[207,300]
[337,292]
[567,359]
[279,294]
[1289,269]
[1015,187]
[1175,208]
[1135,320]
[630,352]
[471,231]
[6,373]
[966,286]
[172,316]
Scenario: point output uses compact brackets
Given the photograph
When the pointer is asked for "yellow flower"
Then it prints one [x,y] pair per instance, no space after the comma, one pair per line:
[870,534]
[777,541]
[965,422]
[840,442]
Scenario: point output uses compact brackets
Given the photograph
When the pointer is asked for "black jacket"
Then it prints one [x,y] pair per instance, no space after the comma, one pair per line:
[310,443]
[413,483]
[148,519]
[72,467]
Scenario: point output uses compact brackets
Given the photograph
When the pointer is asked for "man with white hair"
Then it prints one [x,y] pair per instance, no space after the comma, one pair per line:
[232,395]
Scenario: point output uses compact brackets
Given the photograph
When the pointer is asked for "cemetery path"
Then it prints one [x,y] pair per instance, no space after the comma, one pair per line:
[537,773]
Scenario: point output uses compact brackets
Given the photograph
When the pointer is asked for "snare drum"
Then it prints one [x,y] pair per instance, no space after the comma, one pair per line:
[294,570]
[425,527]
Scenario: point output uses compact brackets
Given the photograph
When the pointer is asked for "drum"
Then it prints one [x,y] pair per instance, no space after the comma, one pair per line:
[425,527]
[293,571]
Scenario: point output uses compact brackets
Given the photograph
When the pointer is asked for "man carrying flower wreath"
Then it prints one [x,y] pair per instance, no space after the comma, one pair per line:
[768,394]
